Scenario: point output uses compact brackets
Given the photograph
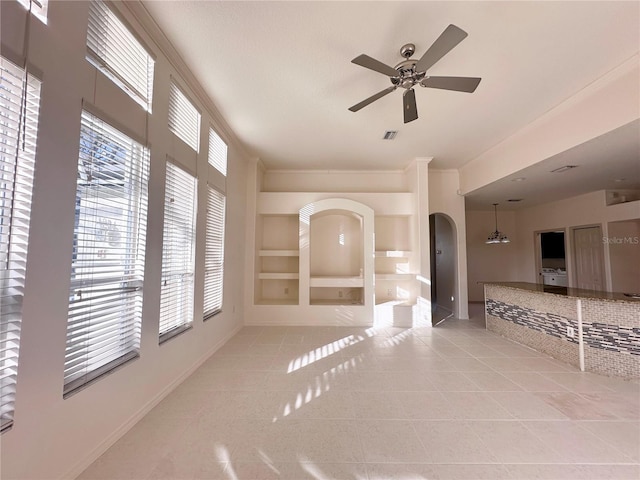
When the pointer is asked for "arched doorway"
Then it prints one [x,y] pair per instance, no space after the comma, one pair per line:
[443,266]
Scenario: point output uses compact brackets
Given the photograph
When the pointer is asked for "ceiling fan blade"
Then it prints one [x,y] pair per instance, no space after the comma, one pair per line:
[458,84]
[409,105]
[371,63]
[372,99]
[448,39]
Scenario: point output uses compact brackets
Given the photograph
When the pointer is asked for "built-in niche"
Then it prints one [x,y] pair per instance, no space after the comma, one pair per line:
[336,258]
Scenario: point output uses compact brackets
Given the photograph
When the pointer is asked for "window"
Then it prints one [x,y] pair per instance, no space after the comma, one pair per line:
[214,253]
[178,259]
[217,152]
[113,49]
[37,7]
[184,118]
[19,105]
[107,267]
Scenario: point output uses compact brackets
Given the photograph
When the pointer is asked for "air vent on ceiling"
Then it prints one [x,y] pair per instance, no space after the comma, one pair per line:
[564,169]
[390,134]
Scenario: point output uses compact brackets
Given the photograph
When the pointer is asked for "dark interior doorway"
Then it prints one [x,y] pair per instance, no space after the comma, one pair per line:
[443,267]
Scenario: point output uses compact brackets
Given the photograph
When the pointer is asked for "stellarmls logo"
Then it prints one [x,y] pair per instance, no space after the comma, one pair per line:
[621,240]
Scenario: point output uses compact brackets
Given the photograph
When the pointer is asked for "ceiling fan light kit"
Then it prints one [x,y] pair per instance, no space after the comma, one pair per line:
[410,72]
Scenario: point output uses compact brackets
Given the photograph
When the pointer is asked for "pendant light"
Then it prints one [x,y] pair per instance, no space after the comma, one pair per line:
[497,236]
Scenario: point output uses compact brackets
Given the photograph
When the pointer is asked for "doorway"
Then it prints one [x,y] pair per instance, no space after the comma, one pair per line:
[551,261]
[443,267]
[588,252]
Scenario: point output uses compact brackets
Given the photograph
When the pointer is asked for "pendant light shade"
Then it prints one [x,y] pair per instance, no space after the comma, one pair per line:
[497,236]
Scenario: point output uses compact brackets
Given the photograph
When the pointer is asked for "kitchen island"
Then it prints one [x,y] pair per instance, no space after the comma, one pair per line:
[594,331]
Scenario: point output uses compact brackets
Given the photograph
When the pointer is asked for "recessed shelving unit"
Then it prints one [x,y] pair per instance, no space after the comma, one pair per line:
[336,258]
[395,278]
[277,260]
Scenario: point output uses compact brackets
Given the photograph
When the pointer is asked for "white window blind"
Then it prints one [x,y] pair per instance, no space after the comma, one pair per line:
[178,253]
[214,253]
[37,7]
[115,51]
[217,152]
[19,108]
[184,118]
[107,268]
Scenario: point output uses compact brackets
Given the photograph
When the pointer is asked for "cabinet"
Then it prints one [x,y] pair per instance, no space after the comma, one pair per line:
[277,260]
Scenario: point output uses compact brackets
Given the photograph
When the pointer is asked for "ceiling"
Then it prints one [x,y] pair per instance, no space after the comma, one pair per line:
[608,162]
[280,73]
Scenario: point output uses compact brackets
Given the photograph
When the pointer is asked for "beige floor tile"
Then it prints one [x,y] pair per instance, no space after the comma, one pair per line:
[452,442]
[328,441]
[512,442]
[492,382]
[578,382]
[534,382]
[388,471]
[421,406]
[452,382]
[623,435]
[324,471]
[625,406]
[315,403]
[474,406]
[574,472]
[575,406]
[390,441]
[526,406]
[265,441]
[573,443]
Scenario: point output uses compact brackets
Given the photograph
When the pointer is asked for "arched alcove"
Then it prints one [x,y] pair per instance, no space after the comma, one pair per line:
[336,258]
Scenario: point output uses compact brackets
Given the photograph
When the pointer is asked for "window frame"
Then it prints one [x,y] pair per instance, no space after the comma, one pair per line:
[112,276]
[134,46]
[19,124]
[181,107]
[214,253]
[218,154]
[175,318]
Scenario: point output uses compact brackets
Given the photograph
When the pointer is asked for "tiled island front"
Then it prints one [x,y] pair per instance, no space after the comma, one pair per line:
[595,331]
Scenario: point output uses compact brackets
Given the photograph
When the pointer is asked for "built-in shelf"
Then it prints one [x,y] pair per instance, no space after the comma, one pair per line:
[393,253]
[334,301]
[395,276]
[277,301]
[279,253]
[278,276]
[336,281]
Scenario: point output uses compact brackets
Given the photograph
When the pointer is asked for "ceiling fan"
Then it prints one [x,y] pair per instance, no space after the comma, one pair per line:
[410,72]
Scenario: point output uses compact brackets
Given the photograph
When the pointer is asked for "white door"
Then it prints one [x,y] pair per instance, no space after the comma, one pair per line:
[588,251]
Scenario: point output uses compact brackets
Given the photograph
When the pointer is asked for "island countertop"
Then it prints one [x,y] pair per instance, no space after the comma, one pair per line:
[594,331]
[569,292]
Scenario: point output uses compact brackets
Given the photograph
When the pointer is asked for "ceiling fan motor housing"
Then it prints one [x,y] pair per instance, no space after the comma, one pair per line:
[407,75]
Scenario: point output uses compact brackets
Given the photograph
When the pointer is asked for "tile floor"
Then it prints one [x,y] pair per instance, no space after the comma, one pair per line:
[452,402]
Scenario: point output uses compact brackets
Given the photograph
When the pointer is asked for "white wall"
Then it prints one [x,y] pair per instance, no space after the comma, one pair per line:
[444,186]
[334,181]
[606,104]
[588,209]
[624,252]
[490,263]
[516,261]
[56,438]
